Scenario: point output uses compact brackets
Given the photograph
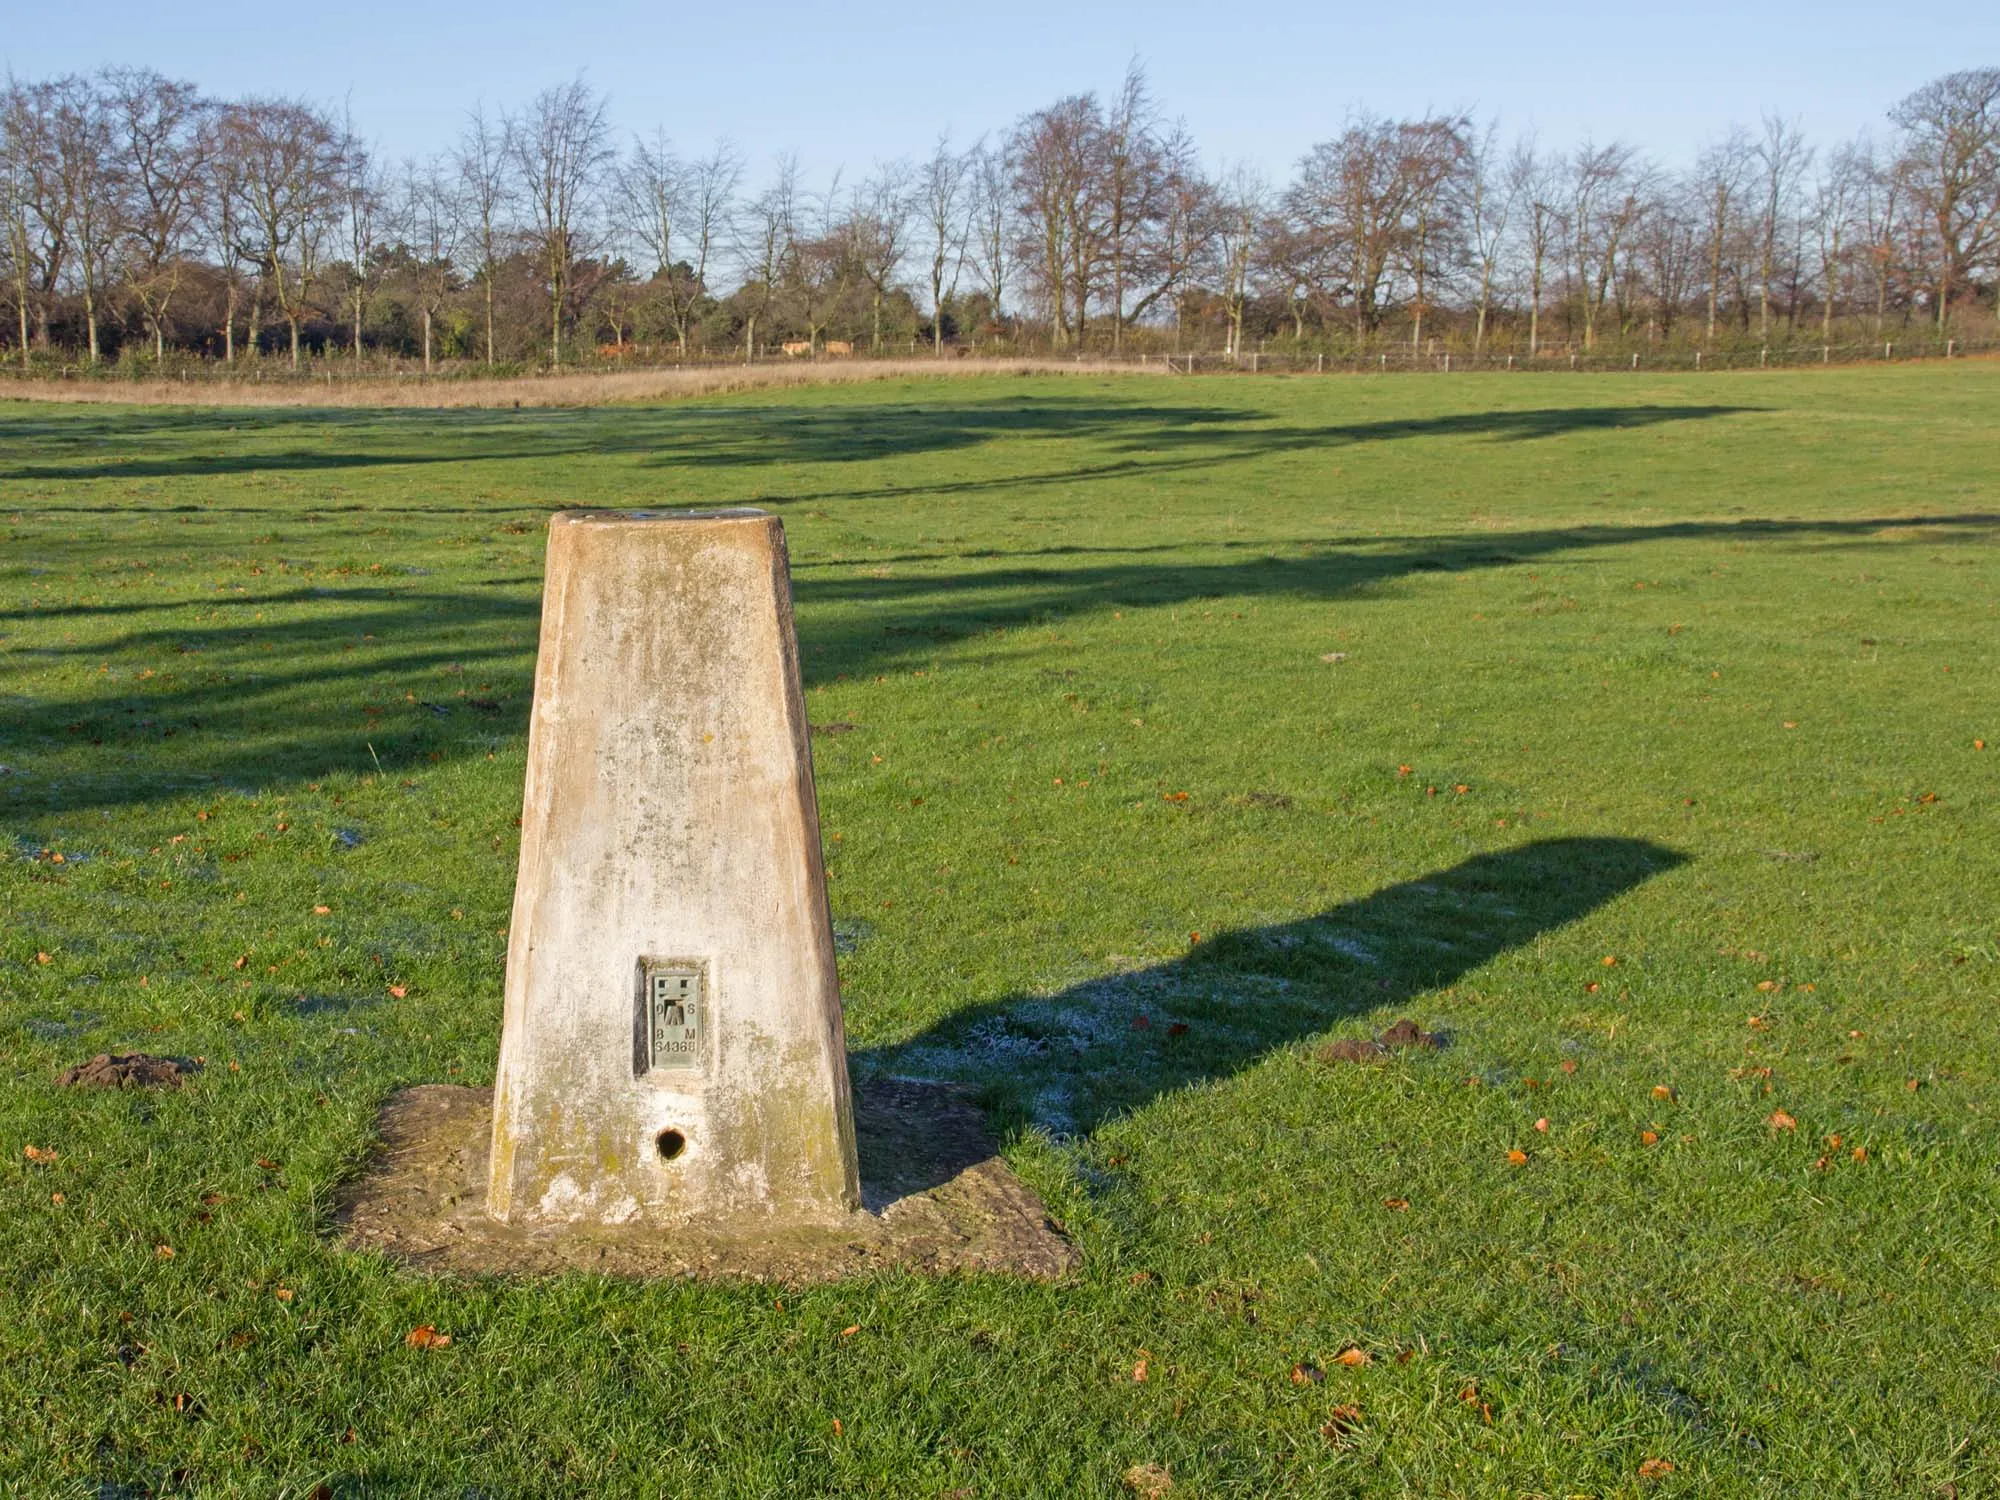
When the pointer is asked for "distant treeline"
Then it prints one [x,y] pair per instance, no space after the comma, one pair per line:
[145,224]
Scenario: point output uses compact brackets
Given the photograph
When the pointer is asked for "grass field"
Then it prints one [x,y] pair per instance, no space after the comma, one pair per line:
[1424,697]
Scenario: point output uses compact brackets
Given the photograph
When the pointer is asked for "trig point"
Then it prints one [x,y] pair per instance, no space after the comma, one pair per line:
[672,1095]
[672,1049]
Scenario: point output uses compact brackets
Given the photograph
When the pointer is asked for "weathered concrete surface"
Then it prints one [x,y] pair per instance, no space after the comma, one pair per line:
[938,1200]
[669,817]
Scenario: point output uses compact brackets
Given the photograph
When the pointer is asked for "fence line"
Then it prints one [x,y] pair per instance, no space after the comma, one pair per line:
[340,369]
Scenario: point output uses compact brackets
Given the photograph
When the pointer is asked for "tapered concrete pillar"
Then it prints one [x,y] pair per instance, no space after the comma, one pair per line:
[673,1050]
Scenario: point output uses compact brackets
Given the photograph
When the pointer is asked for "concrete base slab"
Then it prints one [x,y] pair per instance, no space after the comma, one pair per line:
[936,1196]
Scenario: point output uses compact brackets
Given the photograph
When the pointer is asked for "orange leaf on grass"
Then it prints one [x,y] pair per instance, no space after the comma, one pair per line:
[1400,1205]
[1352,1356]
[1656,1468]
[1341,1421]
[1518,1157]
[398,991]
[424,1336]
[1779,1120]
[1649,1138]
[1307,1374]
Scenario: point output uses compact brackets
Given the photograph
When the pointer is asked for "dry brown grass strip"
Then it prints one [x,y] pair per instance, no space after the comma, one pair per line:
[582,389]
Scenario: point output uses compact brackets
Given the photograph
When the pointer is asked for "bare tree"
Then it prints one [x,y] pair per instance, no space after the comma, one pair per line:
[1531,182]
[1353,195]
[1190,218]
[992,216]
[292,161]
[429,214]
[89,178]
[1603,207]
[481,163]
[1835,195]
[944,198]
[37,225]
[561,149]
[1054,156]
[1951,163]
[1721,172]
[1129,161]
[364,200]
[1242,201]
[768,229]
[157,124]
[1490,201]
[1782,156]
[878,232]
[1431,162]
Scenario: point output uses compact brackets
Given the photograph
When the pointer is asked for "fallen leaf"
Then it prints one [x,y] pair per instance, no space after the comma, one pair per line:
[1178,1028]
[1979,744]
[1661,1091]
[1543,1125]
[1307,1374]
[1779,1120]
[1402,770]
[1610,960]
[398,991]
[1569,1065]
[1149,1481]
[163,1252]
[1767,985]
[1400,1205]
[57,1198]
[426,1337]
[1649,1138]
[1139,1372]
[267,1164]
[321,911]
[1461,788]
[1860,1153]
[1656,1468]
[41,958]
[1341,1421]
[38,1153]
[1352,1356]
[837,1429]
[283,1294]
[1173,796]
[850,1330]
[1518,1157]
[1913,1084]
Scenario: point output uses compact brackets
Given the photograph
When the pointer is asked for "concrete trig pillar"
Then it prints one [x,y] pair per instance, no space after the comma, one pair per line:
[672,1049]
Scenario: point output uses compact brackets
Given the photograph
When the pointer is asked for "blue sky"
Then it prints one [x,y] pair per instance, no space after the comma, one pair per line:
[847,85]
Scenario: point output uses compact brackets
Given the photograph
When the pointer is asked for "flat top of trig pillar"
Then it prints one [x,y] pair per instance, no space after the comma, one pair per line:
[624,517]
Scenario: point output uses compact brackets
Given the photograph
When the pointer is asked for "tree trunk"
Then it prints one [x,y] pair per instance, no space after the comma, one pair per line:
[90,316]
[489,312]
[427,340]
[292,318]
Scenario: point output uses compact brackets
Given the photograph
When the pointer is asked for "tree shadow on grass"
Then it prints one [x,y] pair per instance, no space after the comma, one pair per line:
[1148,437]
[401,677]
[1107,1047]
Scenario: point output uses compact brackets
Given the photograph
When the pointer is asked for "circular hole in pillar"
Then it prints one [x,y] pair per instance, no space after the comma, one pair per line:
[670,1144]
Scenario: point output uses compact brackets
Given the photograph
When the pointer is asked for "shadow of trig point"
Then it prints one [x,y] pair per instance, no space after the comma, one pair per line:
[672,1092]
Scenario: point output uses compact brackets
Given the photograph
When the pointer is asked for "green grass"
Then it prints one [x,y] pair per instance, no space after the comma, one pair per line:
[1685,672]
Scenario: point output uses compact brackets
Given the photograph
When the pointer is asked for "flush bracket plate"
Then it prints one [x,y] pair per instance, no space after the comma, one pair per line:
[671,1019]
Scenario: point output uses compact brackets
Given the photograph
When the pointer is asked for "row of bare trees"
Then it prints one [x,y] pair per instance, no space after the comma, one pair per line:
[138,216]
